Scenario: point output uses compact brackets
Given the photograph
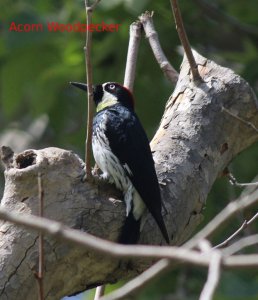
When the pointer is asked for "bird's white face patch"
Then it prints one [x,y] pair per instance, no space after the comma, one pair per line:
[107,99]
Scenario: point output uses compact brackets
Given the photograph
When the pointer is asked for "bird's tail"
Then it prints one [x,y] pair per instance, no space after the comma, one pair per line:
[159,220]
[130,232]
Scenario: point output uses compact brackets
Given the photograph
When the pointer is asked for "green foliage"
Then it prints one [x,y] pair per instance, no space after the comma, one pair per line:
[36,67]
[235,286]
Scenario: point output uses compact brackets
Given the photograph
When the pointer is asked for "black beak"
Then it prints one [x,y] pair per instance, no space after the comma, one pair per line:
[79,85]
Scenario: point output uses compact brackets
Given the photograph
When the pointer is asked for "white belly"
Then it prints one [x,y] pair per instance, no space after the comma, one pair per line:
[112,169]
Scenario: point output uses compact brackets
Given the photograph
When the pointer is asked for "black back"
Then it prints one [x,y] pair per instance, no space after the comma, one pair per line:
[128,141]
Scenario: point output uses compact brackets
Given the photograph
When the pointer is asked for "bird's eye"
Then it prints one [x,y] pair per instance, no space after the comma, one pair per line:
[112,86]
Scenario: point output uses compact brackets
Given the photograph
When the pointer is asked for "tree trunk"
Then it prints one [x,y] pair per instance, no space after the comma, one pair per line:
[195,141]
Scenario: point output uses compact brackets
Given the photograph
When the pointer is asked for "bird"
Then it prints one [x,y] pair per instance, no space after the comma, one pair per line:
[121,150]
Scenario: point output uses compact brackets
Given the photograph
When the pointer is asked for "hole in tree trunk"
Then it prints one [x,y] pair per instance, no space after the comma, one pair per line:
[26,159]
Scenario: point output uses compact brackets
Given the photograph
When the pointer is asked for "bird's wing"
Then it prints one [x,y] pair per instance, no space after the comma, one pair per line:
[128,141]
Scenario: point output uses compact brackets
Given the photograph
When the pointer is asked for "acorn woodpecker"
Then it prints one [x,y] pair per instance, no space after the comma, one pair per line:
[122,152]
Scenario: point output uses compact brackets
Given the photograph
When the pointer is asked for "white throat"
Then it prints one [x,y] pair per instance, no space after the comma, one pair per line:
[107,100]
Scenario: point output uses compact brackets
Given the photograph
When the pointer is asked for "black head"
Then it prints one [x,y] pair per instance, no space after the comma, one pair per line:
[109,94]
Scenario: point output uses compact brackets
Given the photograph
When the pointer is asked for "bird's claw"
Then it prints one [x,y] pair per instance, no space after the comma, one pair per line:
[105,177]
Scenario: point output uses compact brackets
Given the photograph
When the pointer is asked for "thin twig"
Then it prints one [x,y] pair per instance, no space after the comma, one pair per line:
[148,25]
[236,261]
[40,274]
[248,124]
[234,182]
[241,244]
[244,184]
[184,40]
[136,284]
[242,227]
[87,49]
[213,276]
[100,290]
[132,54]
[88,146]
[225,243]
[252,219]
[228,212]
[87,241]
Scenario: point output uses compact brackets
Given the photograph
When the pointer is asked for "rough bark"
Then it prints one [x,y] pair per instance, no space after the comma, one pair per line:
[194,143]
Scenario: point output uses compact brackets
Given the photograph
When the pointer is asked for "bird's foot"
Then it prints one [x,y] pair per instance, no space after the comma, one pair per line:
[104,177]
[116,202]
[84,176]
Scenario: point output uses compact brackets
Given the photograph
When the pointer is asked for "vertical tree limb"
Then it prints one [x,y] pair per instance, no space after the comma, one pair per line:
[132,54]
[88,146]
[184,40]
[169,72]
[100,290]
[40,274]
[87,49]
[213,276]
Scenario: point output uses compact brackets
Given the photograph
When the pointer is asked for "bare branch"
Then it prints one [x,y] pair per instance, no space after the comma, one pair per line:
[132,54]
[82,239]
[213,276]
[228,212]
[241,244]
[184,40]
[244,184]
[100,290]
[204,246]
[148,25]
[136,284]
[88,241]
[232,262]
[225,243]
[40,274]
[252,219]
[241,261]
[161,266]
[87,49]
[243,226]
[6,155]
[234,182]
